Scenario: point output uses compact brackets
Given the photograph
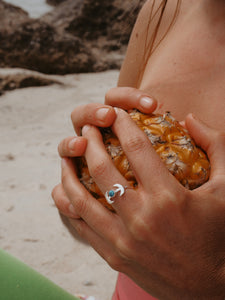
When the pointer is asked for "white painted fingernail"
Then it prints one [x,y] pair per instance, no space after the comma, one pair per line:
[146,102]
[85,129]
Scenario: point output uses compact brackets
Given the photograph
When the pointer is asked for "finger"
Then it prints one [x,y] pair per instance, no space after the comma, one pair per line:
[129,98]
[72,146]
[106,175]
[62,202]
[86,206]
[146,164]
[94,114]
[211,141]
[100,164]
[102,246]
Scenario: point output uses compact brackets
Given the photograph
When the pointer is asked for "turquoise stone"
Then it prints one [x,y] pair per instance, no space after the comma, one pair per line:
[111,193]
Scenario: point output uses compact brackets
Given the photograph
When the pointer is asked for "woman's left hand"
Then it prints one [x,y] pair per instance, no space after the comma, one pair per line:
[168,239]
[98,115]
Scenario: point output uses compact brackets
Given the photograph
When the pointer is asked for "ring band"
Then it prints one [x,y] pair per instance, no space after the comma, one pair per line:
[118,188]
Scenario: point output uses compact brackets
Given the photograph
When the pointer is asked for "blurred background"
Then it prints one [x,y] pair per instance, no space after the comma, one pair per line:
[54,56]
[36,10]
[72,36]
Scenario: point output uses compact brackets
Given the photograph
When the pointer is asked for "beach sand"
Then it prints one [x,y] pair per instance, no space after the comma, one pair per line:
[32,122]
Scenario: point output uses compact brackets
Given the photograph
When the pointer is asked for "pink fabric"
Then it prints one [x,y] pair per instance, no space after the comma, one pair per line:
[126,289]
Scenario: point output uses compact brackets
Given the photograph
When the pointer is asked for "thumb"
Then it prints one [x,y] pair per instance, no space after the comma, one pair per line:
[128,98]
[212,141]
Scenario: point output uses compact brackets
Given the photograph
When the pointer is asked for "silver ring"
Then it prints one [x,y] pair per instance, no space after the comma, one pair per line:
[118,188]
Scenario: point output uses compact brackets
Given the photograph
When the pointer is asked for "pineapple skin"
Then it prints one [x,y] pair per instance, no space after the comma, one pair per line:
[184,160]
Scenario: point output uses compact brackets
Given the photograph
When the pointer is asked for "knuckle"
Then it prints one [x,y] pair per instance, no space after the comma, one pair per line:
[171,201]
[109,94]
[132,92]
[79,226]
[98,168]
[64,178]
[55,192]
[166,204]
[115,262]
[216,186]
[164,195]
[77,112]
[59,198]
[61,147]
[139,228]
[80,203]
[73,115]
[124,248]
[167,196]
[135,144]
[220,138]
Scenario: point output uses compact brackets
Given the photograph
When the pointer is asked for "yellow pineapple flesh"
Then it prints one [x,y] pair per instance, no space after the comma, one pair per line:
[187,162]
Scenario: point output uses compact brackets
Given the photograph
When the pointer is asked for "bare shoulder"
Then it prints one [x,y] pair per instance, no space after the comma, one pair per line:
[135,49]
[143,33]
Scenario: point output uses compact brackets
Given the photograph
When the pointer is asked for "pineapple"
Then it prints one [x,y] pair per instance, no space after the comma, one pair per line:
[187,162]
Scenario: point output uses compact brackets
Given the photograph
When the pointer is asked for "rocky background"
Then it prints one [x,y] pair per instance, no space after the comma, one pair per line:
[77,36]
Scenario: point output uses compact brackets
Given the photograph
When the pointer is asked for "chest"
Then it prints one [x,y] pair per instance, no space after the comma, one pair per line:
[186,73]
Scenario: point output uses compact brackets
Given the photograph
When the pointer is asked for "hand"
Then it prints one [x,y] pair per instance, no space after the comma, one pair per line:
[169,240]
[104,115]
[100,116]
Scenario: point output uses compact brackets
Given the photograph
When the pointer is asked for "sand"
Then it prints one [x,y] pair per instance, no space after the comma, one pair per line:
[32,122]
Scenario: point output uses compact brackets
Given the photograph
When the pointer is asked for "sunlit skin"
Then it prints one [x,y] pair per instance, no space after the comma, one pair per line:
[169,240]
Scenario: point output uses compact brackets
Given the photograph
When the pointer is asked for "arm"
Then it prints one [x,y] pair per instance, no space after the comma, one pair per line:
[169,240]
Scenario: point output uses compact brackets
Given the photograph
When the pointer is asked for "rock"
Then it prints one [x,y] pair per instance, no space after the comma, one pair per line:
[11,79]
[37,45]
[11,16]
[54,2]
[77,36]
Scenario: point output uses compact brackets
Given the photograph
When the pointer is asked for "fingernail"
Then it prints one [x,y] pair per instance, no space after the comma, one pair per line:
[117,110]
[72,143]
[85,129]
[146,102]
[182,123]
[101,113]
